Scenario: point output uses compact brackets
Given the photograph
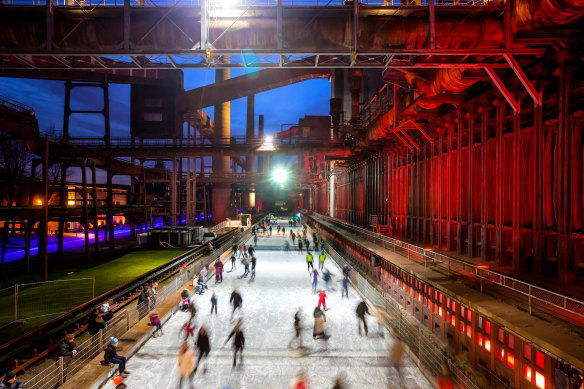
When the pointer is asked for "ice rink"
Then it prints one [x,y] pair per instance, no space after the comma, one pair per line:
[282,285]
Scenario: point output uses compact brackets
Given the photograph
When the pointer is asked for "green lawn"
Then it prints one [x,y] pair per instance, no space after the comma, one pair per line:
[50,298]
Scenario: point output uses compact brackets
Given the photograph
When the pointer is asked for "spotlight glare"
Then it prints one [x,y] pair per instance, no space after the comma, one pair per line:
[280,176]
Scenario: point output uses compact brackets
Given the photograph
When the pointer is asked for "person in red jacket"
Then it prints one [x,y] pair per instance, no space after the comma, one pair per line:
[321,299]
[299,382]
[218,271]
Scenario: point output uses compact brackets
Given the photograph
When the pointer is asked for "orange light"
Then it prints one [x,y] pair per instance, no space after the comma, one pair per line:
[440,311]
[39,202]
[453,321]
[487,345]
[420,298]
[539,380]
[510,360]
[480,339]
[527,372]
[468,331]
[502,354]
[71,202]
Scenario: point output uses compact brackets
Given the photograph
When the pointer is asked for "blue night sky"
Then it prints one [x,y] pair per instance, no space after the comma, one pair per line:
[279,106]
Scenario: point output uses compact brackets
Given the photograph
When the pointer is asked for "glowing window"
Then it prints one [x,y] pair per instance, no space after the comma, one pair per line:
[527,351]
[468,331]
[487,344]
[488,327]
[539,360]
[453,305]
[539,380]
[440,311]
[511,341]
[468,314]
[501,353]
[501,335]
[479,338]
[453,321]
[448,301]
[510,360]
[462,311]
[461,327]
[527,372]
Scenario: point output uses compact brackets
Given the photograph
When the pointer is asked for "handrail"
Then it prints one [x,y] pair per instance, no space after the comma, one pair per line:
[568,305]
[15,105]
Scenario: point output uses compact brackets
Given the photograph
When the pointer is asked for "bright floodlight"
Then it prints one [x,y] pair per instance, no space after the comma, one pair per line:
[280,175]
[269,140]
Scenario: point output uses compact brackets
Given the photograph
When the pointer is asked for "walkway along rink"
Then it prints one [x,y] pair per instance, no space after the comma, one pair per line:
[282,285]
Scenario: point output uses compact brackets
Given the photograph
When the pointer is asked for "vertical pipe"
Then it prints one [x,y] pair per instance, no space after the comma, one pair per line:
[221,201]
[483,191]
[67,110]
[110,207]
[106,113]
[85,211]
[63,203]
[470,181]
[459,194]
[500,116]
[95,216]
[43,229]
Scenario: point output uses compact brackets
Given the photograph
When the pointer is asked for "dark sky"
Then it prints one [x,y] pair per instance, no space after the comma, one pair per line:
[279,106]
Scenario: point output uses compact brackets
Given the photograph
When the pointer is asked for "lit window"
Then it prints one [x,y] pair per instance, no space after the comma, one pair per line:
[479,338]
[501,335]
[462,311]
[487,344]
[480,322]
[527,351]
[510,360]
[71,202]
[511,341]
[501,353]
[453,305]
[539,360]
[488,327]
[440,311]
[462,327]
[468,331]
[468,315]
[527,372]
[539,380]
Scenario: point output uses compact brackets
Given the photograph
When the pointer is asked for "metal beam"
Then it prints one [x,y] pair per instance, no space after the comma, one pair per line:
[502,88]
[535,95]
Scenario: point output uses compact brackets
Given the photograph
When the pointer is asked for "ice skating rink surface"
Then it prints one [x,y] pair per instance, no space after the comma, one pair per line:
[281,286]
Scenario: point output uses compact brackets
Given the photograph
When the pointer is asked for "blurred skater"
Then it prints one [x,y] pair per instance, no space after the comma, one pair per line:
[186,364]
[238,343]
[444,380]
[235,300]
[395,359]
[321,259]
[345,290]
[253,266]
[187,330]
[314,280]
[214,303]
[320,325]
[297,329]
[232,261]
[203,345]
[155,322]
[299,382]
[327,277]
[219,271]
[339,382]
[362,310]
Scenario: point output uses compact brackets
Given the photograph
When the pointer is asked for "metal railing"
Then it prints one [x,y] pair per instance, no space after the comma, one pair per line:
[64,368]
[524,292]
[15,105]
[246,3]
[426,351]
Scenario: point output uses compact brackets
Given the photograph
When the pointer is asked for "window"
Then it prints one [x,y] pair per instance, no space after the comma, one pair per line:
[453,321]
[480,339]
[539,380]
[480,322]
[488,327]
[527,351]
[152,117]
[453,305]
[468,314]
[527,372]
[501,335]
[462,311]
[468,331]
[462,327]
[488,344]
[501,353]
[510,360]
[511,341]
[539,360]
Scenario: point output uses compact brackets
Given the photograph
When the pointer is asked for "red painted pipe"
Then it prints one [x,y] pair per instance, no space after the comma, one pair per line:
[548,186]
[577,166]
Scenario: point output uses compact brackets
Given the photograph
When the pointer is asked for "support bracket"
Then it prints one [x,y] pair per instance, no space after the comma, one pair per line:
[502,88]
[535,95]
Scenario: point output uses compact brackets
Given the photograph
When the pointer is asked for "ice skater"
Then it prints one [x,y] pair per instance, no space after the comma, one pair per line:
[235,300]
[395,357]
[345,290]
[218,271]
[309,261]
[327,277]
[203,345]
[243,251]
[187,330]
[361,311]
[155,322]
[299,246]
[245,262]
[238,342]
[251,250]
[346,271]
[322,299]
[203,274]
[186,364]
[297,329]
[299,382]
[253,266]
[213,303]
[232,261]
[314,280]
[321,259]
[319,331]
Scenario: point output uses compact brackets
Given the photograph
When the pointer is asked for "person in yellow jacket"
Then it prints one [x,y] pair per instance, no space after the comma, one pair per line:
[309,261]
[321,259]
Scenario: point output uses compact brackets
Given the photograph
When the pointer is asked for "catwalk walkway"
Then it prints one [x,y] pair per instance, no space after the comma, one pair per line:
[282,285]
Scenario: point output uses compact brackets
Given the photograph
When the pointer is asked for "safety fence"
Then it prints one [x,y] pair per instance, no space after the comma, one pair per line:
[426,351]
[65,367]
[531,295]
[22,302]
[231,4]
